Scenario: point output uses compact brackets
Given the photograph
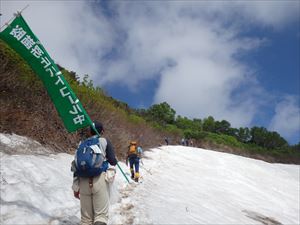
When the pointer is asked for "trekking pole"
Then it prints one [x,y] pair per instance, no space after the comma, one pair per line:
[123,172]
[148,171]
[93,125]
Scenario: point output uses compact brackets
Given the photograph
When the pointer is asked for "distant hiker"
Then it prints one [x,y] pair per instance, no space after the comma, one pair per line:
[133,157]
[182,141]
[191,143]
[92,175]
[167,140]
[187,142]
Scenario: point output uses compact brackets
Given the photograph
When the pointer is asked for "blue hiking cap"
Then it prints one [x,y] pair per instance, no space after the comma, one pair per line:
[98,126]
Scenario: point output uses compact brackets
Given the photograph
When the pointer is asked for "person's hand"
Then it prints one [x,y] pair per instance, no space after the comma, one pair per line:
[110,174]
[76,194]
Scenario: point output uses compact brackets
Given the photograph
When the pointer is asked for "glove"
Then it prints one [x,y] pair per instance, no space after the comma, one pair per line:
[110,174]
[76,194]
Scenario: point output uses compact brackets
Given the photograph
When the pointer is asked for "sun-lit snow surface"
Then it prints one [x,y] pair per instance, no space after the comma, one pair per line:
[184,185]
[179,185]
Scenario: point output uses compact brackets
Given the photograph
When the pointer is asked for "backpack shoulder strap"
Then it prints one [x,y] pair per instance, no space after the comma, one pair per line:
[93,143]
[102,145]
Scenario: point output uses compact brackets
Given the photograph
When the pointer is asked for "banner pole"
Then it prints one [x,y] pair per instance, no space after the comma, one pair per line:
[15,15]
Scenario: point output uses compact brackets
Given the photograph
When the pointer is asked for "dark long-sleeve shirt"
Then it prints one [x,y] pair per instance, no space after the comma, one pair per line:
[110,154]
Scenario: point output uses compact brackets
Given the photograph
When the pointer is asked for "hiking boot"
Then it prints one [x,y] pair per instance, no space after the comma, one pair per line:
[99,223]
[136,177]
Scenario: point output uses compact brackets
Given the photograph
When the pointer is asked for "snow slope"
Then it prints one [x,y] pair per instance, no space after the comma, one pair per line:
[185,185]
[179,185]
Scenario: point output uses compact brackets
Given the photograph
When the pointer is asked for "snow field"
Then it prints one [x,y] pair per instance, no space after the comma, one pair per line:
[179,185]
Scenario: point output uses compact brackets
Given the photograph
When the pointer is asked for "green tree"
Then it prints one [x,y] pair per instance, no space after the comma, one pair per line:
[222,127]
[197,123]
[262,137]
[185,123]
[258,135]
[233,132]
[162,113]
[274,140]
[209,124]
[243,134]
[296,147]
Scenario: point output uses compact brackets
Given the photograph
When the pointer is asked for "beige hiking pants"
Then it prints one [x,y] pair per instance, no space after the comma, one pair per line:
[94,200]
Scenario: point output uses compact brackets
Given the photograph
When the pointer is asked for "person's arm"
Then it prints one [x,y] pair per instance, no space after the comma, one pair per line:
[140,151]
[110,154]
[75,185]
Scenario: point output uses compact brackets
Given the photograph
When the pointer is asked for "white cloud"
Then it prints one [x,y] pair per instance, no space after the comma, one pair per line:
[189,46]
[286,120]
[195,61]
[275,14]
[270,13]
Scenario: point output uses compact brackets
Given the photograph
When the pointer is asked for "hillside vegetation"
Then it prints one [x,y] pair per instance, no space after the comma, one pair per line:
[27,110]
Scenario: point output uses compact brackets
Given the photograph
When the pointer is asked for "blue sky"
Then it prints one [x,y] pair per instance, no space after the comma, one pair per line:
[234,60]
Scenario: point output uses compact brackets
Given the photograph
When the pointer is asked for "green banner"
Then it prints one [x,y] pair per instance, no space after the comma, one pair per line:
[19,37]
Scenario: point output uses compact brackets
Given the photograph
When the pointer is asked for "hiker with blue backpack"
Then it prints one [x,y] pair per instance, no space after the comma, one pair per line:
[93,170]
[134,154]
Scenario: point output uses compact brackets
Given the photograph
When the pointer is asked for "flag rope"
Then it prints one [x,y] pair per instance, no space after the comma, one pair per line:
[15,15]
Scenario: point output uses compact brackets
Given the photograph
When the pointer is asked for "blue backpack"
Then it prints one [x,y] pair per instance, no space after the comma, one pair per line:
[89,158]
